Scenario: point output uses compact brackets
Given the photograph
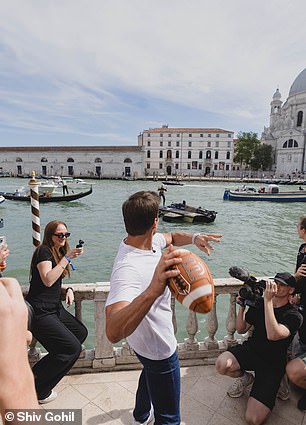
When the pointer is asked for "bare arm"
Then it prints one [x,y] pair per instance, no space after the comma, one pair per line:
[122,318]
[50,275]
[17,390]
[275,330]
[242,326]
[202,241]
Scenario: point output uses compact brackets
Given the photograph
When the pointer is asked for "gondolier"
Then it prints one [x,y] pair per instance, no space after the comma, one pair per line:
[161,193]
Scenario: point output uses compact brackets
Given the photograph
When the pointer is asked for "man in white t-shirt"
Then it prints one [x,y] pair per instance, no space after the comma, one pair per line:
[139,305]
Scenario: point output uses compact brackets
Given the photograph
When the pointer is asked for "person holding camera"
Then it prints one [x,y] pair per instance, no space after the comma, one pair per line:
[296,369]
[60,333]
[275,321]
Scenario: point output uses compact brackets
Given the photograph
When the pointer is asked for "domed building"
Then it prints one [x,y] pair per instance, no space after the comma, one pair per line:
[287,131]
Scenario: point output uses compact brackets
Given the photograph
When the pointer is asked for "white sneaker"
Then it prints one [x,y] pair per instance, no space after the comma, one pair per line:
[240,384]
[283,391]
[48,399]
[147,421]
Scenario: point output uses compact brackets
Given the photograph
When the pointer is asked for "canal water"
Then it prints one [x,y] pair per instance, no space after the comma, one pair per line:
[259,236]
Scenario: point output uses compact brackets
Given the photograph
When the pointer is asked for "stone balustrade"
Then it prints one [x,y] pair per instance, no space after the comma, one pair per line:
[104,356]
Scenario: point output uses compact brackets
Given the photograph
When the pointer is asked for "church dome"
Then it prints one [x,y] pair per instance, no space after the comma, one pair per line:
[299,84]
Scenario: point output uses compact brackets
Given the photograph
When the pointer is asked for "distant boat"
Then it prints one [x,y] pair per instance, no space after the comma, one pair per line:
[18,196]
[173,183]
[273,195]
[183,212]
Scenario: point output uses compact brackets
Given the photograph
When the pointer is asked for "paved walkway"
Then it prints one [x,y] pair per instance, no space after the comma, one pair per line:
[108,398]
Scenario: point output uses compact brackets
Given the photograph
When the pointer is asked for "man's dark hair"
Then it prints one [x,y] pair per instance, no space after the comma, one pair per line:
[303,222]
[140,211]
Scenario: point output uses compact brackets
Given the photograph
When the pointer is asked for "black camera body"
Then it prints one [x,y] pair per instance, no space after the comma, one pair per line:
[252,290]
[80,244]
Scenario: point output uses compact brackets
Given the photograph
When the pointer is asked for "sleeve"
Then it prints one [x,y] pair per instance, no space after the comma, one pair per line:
[292,320]
[250,316]
[159,240]
[125,285]
[44,254]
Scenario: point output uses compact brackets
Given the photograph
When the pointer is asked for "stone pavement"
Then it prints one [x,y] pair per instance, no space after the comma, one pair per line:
[108,398]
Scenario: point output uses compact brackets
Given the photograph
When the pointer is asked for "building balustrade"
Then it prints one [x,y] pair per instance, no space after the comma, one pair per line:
[105,356]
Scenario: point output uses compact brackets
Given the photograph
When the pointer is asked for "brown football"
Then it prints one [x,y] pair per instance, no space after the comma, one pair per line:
[194,286]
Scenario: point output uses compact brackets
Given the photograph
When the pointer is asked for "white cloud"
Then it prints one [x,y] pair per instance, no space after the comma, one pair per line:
[99,65]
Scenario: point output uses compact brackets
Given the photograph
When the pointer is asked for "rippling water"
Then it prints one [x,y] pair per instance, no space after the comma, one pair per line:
[259,236]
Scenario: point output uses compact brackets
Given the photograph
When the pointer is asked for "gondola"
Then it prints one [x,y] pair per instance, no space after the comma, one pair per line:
[46,198]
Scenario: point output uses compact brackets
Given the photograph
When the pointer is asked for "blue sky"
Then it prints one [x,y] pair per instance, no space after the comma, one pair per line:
[99,72]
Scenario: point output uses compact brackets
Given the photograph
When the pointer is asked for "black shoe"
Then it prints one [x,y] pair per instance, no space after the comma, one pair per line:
[302,402]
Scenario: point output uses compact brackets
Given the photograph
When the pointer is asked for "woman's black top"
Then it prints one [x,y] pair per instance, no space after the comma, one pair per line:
[38,292]
[301,289]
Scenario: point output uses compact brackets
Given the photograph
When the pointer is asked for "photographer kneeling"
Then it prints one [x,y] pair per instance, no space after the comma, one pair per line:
[275,322]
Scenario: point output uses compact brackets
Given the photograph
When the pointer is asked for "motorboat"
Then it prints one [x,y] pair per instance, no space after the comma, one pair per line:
[182,212]
[272,194]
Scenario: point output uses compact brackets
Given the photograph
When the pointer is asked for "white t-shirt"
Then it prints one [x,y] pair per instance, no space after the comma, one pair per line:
[132,273]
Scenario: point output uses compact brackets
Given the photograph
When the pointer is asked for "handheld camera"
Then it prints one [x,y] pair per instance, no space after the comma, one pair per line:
[252,290]
[80,244]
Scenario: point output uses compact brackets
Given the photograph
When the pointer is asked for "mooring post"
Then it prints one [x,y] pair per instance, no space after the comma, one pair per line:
[33,183]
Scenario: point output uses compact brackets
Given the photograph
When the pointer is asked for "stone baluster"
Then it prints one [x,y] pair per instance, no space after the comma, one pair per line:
[34,353]
[210,341]
[192,327]
[174,321]
[229,339]
[78,308]
[78,315]
[104,352]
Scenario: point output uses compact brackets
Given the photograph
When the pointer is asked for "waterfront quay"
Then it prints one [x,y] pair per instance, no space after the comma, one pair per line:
[103,381]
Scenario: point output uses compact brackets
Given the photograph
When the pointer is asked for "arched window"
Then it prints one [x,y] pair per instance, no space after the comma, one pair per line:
[43,159]
[169,154]
[128,160]
[291,143]
[299,119]
[208,154]
[189,154]
[98,160]
[200,154]
[177,154]
[216,154]
[228,155]
[70,160]
[18,159]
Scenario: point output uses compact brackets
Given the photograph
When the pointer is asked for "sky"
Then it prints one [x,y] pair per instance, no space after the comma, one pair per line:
[99,72]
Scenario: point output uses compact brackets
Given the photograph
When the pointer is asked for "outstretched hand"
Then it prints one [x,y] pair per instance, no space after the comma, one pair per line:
[203,241]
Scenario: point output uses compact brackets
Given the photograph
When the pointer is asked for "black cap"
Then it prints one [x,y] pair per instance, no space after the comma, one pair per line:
[285,278]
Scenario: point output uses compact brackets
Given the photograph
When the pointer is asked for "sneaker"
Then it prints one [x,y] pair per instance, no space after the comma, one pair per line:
[147,421]
[283,391]
[52,396]
[302,402]
[240,384]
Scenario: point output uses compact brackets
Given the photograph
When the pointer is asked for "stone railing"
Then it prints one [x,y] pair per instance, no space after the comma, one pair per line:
[104,356]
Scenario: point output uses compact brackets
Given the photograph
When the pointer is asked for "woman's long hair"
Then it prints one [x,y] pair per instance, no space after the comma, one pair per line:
[50,229]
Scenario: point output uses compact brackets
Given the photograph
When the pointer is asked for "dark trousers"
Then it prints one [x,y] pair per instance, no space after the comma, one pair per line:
[159,385]
[61,334]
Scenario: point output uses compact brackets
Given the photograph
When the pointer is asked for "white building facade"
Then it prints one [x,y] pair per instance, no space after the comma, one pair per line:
[77,161]
[287,130]
[187,151]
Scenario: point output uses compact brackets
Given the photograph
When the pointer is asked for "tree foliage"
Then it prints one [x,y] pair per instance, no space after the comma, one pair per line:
[251,152]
